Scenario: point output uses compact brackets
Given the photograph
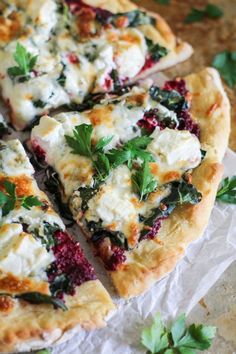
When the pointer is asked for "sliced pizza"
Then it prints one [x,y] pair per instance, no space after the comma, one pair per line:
[55,53]
[140,172]
[48,290]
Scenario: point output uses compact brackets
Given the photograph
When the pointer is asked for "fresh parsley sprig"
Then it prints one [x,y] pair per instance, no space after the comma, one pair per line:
[179,338]
[143,181]
[225,63]
[8,199]
[81,143]
[210,11]
[227,191]
[26,62]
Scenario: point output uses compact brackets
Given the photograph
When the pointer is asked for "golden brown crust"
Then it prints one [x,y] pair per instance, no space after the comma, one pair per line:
[88,308]
[153,259]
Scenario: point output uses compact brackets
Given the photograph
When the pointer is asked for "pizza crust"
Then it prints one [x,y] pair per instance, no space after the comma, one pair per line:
[153,259]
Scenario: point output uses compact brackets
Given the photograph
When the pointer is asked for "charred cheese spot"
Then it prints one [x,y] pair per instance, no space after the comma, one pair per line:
[10,27]
[24,185]
[15,285]
[133,234]
[171,176]
[138,99]
[101,115]
[6,304]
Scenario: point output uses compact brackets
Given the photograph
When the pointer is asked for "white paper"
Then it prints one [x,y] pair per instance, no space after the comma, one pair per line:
[205,260]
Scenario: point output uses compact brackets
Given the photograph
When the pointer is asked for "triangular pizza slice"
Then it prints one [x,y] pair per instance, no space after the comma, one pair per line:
[48,290]
[55,53]
[140,172]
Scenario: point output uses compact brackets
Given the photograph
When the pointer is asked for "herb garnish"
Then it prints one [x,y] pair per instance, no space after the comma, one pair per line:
[170,99]
[225,63]
[210,11]
[81,144]
[179,338]
[156,51]
[44,351]
[38,298]
[143,181]
[227,191]
[181,192]
[26,62]
[8,199]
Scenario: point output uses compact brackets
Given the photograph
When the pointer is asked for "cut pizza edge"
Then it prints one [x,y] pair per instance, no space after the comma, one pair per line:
[154,259]
[31,317]
[144,263]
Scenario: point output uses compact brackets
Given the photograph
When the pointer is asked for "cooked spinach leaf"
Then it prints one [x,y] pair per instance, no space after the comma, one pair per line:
[156,51]
[38,298]
[170,99]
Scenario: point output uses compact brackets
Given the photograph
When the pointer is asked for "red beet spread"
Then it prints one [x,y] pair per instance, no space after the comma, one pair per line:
[117,257]
[38,150]
[149,62]
[70,261]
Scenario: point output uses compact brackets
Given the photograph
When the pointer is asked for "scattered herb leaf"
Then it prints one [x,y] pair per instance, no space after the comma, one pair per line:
[178,339]
[227,191]
[143,181]
[225,63]
[8,199]
[38,298]
[210,11]
[156,51]
[26,62]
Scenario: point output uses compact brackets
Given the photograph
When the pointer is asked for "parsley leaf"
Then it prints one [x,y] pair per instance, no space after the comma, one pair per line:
[225,63]
[8,199]
[44,351]
[143,181]
[102,166]
[81,142]
[179,338]
[102,143]
[227,191]
[210,11]
[26,62]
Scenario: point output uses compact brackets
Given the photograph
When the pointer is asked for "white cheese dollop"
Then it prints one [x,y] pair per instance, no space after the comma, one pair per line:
[178,149]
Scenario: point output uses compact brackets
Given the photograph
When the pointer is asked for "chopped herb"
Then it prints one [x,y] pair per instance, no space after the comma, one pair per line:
[8,199]
[179,338]
[227,190]
[156,51]
[39,104]
[181,192]
[86,193]
[26,62]
[62,78]
[117,238]
[47,235]
[170,99]
[210,11]
[38,298]
[225,63]
[61,283]
[143,181]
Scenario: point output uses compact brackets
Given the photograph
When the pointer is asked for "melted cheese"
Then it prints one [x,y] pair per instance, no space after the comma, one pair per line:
[175,150]
[13,160]
[21,254]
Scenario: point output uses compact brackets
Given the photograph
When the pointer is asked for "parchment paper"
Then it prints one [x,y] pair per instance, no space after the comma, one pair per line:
[205,260]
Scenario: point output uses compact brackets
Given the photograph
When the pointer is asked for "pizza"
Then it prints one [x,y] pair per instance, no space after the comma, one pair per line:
[140,172]
[48,290]
[55,53]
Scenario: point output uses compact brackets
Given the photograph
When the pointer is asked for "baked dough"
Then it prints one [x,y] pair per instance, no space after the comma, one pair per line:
[25,326]
[66,70]
[153,259]
[149,260]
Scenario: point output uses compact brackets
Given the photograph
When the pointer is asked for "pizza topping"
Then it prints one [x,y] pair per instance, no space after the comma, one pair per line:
[143,181]
[70,268]
[26,63]
[155,51]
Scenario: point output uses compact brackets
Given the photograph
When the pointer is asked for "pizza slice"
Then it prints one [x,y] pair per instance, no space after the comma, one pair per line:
[48,290]
[140,172]
[62,51]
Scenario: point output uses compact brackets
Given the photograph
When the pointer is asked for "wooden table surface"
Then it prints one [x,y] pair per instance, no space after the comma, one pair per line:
[207,38]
